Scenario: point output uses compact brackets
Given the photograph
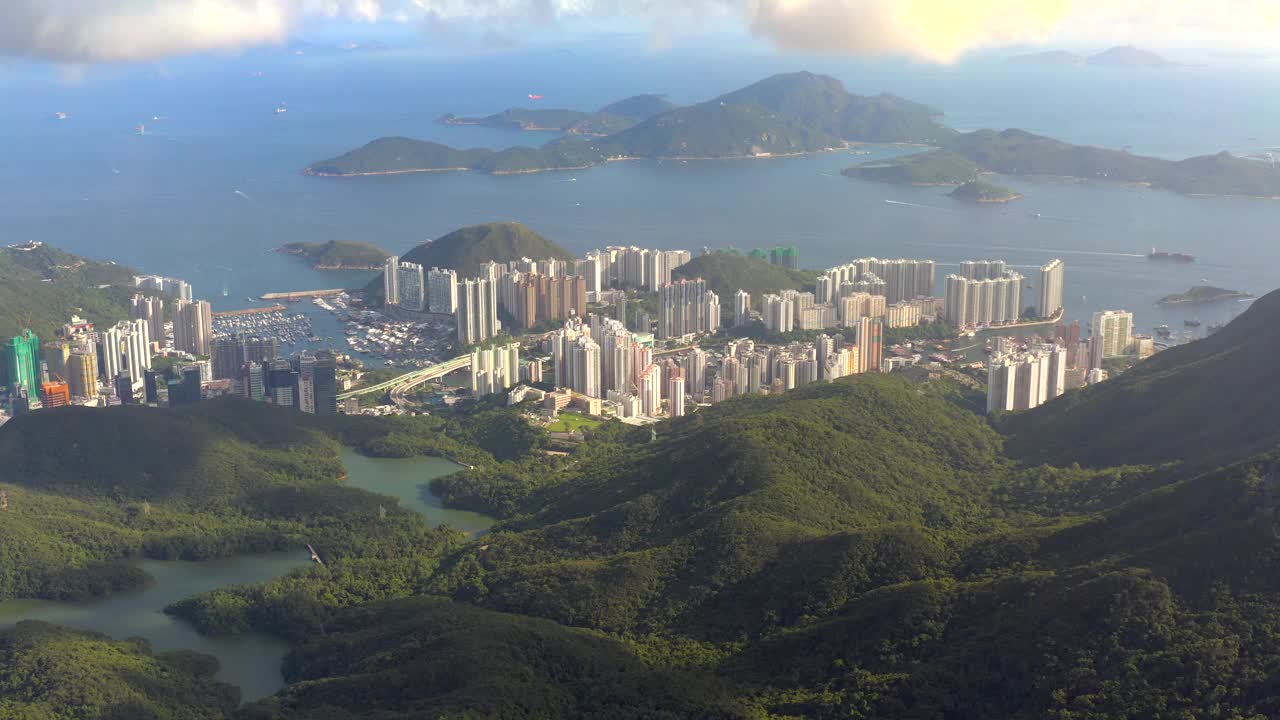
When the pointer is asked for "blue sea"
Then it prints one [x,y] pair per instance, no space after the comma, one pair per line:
[215,182]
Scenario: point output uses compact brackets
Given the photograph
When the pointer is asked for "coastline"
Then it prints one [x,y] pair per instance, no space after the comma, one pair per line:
[312,172]
[1166,302]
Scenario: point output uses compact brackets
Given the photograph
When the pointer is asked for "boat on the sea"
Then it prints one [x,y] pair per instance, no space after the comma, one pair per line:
[534,96]
[281,109]
[1191,323]
[61,115]
[1170,256]
[1164,331]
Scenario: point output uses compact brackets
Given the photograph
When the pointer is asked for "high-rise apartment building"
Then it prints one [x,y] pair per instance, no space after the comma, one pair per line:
[741,308]
[125,348]
[650,390]
[675,396]
[442,291]
[193,327]
[151,309]
[391,281]
[1024,381]
[227,353]
[1112,335]
[172,288]
[494,369]
[687,307]
[1052,279]
[477,314]
[778,313]
[990,301]
[870,343]
[411,287]
[983,269]
[82,371]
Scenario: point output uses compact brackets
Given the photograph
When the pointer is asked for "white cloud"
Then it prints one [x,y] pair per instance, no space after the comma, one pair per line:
[72,31]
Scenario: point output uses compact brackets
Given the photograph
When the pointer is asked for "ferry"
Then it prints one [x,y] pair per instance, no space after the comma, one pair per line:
[1191,323]
[281,109]
[532,96]
[61,115]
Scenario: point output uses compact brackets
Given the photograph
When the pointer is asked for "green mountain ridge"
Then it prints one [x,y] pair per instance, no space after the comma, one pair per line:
[783,115]
[609,119]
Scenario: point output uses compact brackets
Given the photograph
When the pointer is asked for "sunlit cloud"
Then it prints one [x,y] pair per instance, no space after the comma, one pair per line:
[73,31]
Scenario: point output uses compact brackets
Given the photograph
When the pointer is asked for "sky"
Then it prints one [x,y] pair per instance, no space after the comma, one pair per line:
[942,31]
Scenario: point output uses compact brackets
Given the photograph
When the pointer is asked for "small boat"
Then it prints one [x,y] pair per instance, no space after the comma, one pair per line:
[534,97]
[61,115]
[281,109]
[1164,331]
[140,130]
[1191,323]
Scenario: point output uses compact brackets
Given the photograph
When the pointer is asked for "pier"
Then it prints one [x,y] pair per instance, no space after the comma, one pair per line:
[302,294]
[251,311]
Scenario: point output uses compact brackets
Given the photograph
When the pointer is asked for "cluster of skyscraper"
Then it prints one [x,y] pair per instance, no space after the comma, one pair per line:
[687,308]
[987,292]
[1026,380]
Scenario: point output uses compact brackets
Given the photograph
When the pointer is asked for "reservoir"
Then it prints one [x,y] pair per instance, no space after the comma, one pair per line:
[250,661]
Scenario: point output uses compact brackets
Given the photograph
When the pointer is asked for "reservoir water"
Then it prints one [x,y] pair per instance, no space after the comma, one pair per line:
[251,660]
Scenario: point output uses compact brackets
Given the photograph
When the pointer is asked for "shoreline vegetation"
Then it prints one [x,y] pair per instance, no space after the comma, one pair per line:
[983,193]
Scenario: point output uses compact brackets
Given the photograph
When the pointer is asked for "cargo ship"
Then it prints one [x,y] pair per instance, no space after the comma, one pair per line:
[1170,256]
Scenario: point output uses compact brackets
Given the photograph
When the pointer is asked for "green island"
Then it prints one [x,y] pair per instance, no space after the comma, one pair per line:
[41,286]
[869,548]
[1202,295]
[939,167]
[338,254]
[983,193]
[786,114]
[467,249]
[727,272]
[1017,152]
[607,120]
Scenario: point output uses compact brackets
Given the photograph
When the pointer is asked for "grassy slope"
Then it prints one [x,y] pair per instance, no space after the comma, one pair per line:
[727,272]
[1207,390]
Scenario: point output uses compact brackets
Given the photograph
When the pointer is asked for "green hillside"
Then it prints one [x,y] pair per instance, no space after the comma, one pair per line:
[429,657]
[41,287]
[53,673]
[524,119]
[716,130]
[397,155]
[89,487]
[338,254]
[939,167]
[1207,390]
[728,272]
[822,103]
[465,250]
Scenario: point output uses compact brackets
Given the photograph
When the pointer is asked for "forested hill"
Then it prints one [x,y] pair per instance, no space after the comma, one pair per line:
[728,272]
[1202,403]
[785,114]
[41,286]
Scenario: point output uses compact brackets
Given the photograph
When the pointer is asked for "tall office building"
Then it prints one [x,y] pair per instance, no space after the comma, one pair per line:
[305,365]
[391,281]
[687,308]
[254,381]
[411,287]
[150,309]
[282,383]
[477,314]
[1112,335]
[22,364]
[325,383]
[1024,381]
[442,291]
[1052,278]
[193,327]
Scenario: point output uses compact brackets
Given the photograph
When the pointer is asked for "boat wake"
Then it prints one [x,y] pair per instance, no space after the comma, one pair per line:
[243,195]
[918,205]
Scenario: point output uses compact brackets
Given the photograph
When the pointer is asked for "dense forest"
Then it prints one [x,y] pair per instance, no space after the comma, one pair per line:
[869,548]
